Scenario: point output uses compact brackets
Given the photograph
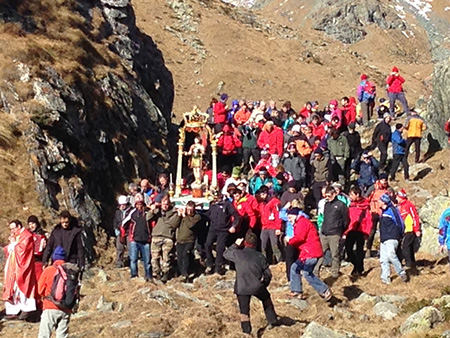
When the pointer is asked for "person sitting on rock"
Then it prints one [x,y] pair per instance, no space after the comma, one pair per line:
[253,276]
[391,233]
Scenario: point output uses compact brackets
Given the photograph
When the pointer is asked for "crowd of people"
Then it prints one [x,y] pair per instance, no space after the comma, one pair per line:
[294,186]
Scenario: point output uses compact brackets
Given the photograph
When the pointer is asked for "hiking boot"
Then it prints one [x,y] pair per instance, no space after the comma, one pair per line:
[165,277]
[386,281]
[404,278]
[24,316]
[185,279]
[221,271]
[209,270]
[149,280]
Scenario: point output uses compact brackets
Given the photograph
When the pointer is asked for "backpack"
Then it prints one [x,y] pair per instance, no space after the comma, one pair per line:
[66,287]
[370,89]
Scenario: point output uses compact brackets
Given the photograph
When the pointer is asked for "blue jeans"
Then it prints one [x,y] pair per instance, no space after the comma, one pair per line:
[388,254]
[306,267]
[144,248]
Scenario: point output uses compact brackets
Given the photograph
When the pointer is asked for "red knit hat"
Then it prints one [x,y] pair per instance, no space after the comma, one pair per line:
[334,103]
[394,70]
[363,77]
[402,193]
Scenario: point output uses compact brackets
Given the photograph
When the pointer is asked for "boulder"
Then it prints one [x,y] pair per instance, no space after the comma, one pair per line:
[115,3]
[386,310]
[224,285]
[446,334]
[300,304]
[393,298]
[315,330]
[422,320]
[365,297]
[432,210]
[444,301]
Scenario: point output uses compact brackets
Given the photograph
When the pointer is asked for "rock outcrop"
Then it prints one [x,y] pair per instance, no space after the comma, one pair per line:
[346,20]
[430,215]
[86,139]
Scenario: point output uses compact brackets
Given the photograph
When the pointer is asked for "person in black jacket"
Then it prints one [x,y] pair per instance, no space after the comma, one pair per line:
[335,222]
[68,235]
[381,138]
[252,279]
[224,219]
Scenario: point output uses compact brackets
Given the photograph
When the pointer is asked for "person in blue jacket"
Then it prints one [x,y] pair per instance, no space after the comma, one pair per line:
[391,233]
[399,152]
[444,232]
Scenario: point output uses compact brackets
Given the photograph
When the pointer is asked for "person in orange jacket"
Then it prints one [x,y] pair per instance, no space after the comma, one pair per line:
[415,127]
[52,316]
[408,211]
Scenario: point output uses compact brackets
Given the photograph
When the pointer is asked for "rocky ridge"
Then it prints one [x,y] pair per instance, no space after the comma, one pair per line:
[87,138]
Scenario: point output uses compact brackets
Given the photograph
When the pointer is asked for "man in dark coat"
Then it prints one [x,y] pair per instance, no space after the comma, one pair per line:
[68,235]
[381,138]
[252,279]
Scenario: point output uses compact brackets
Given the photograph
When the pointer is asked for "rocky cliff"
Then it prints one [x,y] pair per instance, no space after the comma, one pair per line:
[90,122]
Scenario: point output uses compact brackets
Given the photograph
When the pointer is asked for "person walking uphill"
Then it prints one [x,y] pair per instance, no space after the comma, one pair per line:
[444,232]
[394,84]
[68,235]
[366,96]
[306,239]
[381,138]
[53,317]
[391,233]
[224,220]
[398,151]
[410,216]
[415,127]
[186,238]
[335,222]
[166,221]
[253,276]
[138,230]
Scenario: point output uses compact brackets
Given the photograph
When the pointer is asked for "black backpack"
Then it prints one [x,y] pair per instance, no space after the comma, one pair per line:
[66,286]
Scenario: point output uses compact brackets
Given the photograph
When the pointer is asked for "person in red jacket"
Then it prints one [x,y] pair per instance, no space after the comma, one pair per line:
[220,113]
[394,84]
[335,112]
[360,226]
[408,211]
[306,239]
[245,205]
[228,144]
[266,162]
[318,128]
[270,222]
[348,110]
[447,129]
[52,316]
[272,139]
[306,110]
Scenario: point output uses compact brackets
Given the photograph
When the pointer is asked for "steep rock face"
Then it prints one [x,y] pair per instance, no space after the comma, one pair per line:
[346,20]
[88,138]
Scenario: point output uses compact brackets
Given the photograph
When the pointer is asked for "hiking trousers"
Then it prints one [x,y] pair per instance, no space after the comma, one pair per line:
[54,319]
[388,255]
[220,238]
[356,257]
[395,164]
[268,236]
[408,248]
[291,255]
[306,268]
[383,148]
[184,256]
[244,308]
[367,111]
[331,242]
[161,248]
[409,143]
[394,97]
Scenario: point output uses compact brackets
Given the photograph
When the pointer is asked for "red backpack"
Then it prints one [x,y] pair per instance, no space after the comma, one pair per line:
[66,286]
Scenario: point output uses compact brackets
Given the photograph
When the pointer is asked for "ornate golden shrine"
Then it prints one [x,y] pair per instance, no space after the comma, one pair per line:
[195,121]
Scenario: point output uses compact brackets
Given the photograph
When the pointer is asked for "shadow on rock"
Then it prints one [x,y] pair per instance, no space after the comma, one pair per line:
[282,321]
[421,174]
[352,292]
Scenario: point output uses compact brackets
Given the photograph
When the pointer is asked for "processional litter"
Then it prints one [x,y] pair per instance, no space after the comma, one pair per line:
[195,122]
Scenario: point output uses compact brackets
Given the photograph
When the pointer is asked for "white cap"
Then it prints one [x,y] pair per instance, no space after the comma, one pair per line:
[122,199]
[296,128]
